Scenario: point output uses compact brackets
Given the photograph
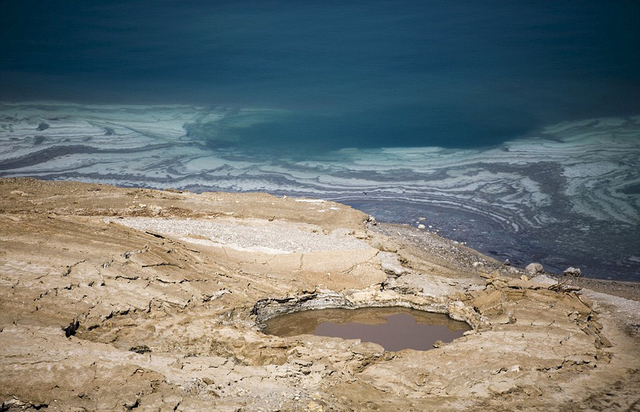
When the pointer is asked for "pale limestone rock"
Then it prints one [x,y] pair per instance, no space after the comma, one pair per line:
[571,271]
[534,269]
[195,306]
[543,280]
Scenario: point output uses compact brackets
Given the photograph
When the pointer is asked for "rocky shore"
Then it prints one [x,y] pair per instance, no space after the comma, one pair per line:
[116,299]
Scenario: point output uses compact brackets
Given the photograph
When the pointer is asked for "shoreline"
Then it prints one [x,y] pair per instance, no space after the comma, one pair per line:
[155,299]
[535,199]
[427,240]
[623,289]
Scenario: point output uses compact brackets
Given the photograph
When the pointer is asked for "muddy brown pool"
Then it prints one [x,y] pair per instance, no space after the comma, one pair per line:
[393,328]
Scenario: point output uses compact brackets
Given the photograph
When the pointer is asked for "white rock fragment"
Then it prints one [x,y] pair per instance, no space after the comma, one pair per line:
[571,271]
[534,268]
[389,263]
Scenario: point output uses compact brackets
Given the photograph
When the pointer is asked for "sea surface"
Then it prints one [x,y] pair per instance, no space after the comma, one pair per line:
[511,126]
[567,196]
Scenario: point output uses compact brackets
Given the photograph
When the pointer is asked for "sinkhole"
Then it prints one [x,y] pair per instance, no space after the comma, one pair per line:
[393,328]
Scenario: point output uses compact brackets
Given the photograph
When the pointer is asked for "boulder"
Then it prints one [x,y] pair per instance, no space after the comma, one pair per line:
[534,268]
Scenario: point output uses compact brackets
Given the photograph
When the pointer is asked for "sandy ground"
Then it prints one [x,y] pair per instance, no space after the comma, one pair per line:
[123,299]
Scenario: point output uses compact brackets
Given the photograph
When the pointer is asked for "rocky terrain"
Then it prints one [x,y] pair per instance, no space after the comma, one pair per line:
[118,299]
[567,193]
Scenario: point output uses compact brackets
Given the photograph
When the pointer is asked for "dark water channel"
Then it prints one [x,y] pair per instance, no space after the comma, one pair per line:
[393,328]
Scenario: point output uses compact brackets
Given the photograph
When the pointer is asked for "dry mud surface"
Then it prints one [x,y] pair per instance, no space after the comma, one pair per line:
[133,299]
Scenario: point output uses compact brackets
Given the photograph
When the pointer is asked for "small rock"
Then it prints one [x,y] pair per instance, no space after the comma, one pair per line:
[534,268]
[571,271]
[506,262]
[421,226]
[140,349]
[524,277]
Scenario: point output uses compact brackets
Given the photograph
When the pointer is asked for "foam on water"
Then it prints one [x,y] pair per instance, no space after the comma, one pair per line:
[563,197]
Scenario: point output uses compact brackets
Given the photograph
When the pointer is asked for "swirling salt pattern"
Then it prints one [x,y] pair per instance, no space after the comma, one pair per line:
[586,171]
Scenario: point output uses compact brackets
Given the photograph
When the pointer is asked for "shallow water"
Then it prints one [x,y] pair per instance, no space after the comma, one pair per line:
[393,328]
[567,196]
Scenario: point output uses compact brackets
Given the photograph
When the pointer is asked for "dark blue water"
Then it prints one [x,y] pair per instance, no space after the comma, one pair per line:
[349,74]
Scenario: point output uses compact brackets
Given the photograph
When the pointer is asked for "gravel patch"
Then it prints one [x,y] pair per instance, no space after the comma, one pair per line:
[250,234]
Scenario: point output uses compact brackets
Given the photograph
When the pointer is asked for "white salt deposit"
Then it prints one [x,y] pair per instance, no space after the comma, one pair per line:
[574,171]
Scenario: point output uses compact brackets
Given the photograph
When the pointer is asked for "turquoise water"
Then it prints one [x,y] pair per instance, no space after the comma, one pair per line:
[365,74]
[512,126]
